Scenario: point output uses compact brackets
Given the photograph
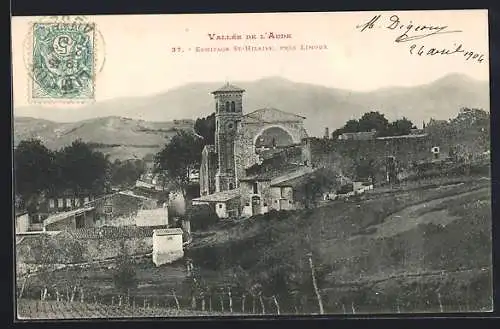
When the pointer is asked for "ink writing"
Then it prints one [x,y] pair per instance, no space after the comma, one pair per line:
[409,31]
[456,50]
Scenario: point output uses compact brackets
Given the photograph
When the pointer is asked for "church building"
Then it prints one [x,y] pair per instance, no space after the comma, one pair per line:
[244,144]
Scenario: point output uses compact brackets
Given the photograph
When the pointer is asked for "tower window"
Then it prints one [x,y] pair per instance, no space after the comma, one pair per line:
[233,107]
[255,188]
[216,106]
[227,107]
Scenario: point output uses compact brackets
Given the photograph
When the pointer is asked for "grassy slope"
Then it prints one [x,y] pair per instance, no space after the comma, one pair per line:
[356,250]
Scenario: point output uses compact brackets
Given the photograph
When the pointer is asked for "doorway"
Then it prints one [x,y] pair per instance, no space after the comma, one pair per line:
[80,221]
[256,206]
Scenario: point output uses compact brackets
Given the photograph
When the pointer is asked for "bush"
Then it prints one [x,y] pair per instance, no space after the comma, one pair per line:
[125,277]
[201,217]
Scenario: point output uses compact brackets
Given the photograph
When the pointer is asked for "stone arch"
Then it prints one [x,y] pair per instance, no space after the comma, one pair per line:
[288,136]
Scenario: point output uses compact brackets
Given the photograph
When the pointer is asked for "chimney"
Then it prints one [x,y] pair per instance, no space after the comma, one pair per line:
[327,133]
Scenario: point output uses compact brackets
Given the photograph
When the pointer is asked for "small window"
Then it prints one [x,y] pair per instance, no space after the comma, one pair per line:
[247,204]
[77,202]
[216,106]
[227,107]
[282,192]
[230,186]
[52,203]
[233,107]
[86,199]
[220,206]
[60,203]
[108,209]
[255,188]
[68,202]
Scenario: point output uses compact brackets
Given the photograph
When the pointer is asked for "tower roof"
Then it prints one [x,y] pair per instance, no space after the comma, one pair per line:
[228,88]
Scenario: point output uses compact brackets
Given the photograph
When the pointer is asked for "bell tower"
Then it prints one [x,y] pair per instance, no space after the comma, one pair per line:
[228,113]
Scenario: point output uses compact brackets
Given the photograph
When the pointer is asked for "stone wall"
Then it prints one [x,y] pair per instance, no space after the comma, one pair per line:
[282,201]
[83,249]
[345,156]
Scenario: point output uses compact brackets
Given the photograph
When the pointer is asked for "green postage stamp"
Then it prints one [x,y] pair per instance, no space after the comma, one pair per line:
[63,62]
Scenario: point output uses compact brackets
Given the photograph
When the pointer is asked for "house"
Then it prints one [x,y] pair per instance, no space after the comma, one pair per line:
[226,203]
[64,202]
[22,221]
[152,217]
[70,220]
[363,135]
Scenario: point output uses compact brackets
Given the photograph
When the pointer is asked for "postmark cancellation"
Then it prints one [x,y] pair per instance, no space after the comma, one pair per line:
[62,61]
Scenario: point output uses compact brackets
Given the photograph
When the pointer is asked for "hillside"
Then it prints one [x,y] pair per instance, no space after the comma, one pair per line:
[119,137]
[414,249]
[322,106]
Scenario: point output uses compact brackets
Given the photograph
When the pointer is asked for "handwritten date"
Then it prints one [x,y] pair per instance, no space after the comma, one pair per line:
[410,31]
[457,50]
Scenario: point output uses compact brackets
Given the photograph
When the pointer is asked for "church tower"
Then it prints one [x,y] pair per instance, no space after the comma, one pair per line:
[228,113]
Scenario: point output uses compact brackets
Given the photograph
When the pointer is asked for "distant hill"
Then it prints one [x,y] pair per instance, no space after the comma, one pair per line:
[120,137]
[322,106]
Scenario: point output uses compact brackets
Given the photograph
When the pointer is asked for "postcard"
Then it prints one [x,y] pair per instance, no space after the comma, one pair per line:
[251,165]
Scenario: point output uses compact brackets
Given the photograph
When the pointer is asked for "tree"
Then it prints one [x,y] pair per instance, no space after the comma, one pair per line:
[33,170]
[82,169]
[351,126]
[178,158]
[205,127]
[373,120]
[398,128]
[125,276]
[126,173]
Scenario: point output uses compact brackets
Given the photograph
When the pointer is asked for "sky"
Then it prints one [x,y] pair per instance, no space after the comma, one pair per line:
[134,54]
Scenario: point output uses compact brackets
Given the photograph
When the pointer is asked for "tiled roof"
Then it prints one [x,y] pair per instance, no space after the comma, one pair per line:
[114,232]
[403,136]
[21,212]
[63,215]
[262,114]
[297,180]
[168,231]
[228,88]
[219,196]
[273,172]
[131,194]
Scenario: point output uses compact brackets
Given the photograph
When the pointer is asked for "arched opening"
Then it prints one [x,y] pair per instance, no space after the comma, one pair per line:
[227,107]
[216,107]
[230,186]
[272,139]
[233,107]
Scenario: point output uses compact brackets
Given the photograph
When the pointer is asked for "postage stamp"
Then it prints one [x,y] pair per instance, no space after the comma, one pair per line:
[63,61]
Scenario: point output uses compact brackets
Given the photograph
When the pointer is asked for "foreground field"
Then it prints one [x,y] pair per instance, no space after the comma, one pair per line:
[46,310]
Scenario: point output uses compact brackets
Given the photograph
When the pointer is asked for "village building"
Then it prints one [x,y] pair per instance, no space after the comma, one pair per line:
[245,141]
[358,136]
[22,221]
[71,220]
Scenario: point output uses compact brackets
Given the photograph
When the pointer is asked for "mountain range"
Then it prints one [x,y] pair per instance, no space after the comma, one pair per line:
[143,121]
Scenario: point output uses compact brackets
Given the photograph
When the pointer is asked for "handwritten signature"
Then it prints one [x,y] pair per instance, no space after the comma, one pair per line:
[410,30]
